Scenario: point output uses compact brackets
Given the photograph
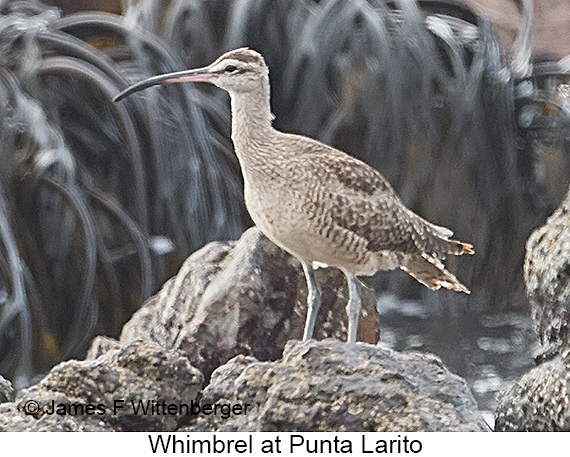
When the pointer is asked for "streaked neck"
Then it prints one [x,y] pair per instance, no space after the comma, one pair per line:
[251,115]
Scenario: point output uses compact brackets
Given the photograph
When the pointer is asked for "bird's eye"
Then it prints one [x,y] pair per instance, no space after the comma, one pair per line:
[230,68]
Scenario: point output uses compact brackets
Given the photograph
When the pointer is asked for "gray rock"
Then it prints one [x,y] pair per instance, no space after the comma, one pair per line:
[539,401]
[331,386]
[136,372]
[101,345]
[244,301]
[6,390]
[547,277]
[247,297]
[13,420]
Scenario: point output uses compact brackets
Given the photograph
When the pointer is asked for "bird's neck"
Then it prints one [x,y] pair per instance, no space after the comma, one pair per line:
[251,117]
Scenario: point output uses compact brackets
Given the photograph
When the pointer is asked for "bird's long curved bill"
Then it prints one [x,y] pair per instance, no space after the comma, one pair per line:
[197,75]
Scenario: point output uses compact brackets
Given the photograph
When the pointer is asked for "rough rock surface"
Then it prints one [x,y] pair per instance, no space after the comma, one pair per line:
[247,297]
[136,372]
[547,277]
[13,420]
[331,386]
[540,400]
[6,390]
[235,301]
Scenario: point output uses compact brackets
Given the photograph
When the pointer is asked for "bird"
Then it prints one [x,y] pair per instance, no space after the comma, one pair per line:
[323,206]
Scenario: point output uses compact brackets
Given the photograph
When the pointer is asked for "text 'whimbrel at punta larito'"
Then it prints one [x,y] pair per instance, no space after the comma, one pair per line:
[323,206]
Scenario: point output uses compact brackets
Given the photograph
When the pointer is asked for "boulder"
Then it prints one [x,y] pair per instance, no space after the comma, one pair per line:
[540,400]
[112,392]
[6,390]
[247,297]
[234,310]
[332,386]
[547,277]
[12,419]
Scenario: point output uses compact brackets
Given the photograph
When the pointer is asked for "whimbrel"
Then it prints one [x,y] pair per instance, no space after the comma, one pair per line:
[321,205]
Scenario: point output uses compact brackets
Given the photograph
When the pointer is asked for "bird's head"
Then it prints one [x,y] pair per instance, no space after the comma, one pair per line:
[238,71]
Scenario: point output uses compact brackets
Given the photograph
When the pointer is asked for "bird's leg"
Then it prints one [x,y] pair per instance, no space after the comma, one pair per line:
[313,301]
[352,308]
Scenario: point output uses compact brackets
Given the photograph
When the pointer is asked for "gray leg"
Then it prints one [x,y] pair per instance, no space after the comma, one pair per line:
[352,308]
[313,301]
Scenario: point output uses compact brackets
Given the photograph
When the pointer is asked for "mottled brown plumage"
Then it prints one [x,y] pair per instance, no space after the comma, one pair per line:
[321,205]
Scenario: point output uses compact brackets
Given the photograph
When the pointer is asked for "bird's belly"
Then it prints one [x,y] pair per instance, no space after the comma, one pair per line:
[282,220]
[279,222]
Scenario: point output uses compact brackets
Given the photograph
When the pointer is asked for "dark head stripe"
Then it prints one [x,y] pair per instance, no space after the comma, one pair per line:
[243,54]
[246,57]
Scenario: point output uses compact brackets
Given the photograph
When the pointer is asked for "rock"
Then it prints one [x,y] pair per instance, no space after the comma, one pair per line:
[13,420]
[136,372]
[101,345]
[247,297]
[331,386]
[539,401]
[547,277]
[244,301]
[6,390]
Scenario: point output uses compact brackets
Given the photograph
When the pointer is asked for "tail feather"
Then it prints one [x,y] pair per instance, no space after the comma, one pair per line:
[462,248]
[440,246]
[431,272]
[435,239]
[439,230]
